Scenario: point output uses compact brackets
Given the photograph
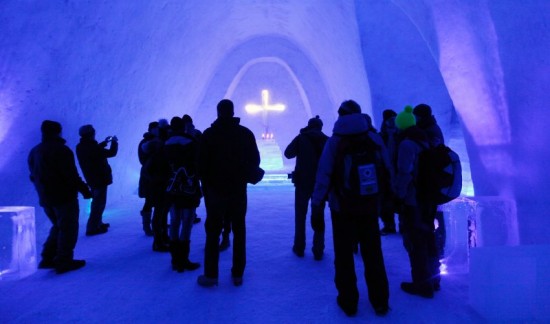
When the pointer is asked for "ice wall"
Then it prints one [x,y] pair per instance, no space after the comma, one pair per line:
[487,60]
[119,65]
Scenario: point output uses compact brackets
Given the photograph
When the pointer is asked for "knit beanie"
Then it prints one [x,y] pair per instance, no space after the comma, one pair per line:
[225,108]
[405,119]
[50,128]
[315,123]
[86,131]
[349,107]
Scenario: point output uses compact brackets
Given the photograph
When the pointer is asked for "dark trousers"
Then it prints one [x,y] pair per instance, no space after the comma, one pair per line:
[220,207]
[226,227]
[147,205]
[440,234]
[417,230]
[347,231]
[99,200]
[302,196]
[159,221]
[61,241]
[387,211]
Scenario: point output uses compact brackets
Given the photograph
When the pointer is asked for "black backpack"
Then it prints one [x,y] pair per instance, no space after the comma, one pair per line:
[439,176]
[360,175]
[182,183]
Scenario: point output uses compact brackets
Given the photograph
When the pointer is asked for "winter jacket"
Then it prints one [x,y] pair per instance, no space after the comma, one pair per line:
[92,158]
[345,125]
[150,185]
[227,153]
[142,156]
[53,172]
[181,150]
[306,148]
[410,143]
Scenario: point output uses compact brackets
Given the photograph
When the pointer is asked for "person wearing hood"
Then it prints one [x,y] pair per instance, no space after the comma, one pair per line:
[307,147]
[54,175]
[416,227]
[92,158]
[227,153]
[353,225]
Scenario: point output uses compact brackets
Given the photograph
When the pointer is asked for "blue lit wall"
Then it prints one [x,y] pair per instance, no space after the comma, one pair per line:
[121,64]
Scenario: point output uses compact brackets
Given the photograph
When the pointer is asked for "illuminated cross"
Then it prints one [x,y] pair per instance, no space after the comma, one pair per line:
[264,108]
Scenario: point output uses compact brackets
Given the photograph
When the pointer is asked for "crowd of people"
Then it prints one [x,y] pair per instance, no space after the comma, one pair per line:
[362,174]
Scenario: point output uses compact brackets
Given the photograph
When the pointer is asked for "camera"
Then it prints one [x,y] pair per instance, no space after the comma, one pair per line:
[109,138]
[290,175]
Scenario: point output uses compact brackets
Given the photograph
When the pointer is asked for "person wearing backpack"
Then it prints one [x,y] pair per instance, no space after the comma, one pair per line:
[427,122]
[307,148]
[416,224]
[351,172]
[183,192]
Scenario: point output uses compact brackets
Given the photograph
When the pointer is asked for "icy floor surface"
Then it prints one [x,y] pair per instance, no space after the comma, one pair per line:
[125,281]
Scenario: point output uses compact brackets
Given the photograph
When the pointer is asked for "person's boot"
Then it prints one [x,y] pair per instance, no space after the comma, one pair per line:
[176,254]
[187,265]
[146,222]
[423,290]
[159,245]
[68,265]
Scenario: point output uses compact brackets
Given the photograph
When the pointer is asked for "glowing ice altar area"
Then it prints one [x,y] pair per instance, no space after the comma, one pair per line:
[119,66]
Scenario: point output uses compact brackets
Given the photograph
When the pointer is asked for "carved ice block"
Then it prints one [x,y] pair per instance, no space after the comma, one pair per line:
[459,216]
[17,242]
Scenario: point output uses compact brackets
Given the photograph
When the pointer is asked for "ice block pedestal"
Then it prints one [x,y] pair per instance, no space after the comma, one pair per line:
[17,242]
[509,282]
[459,216]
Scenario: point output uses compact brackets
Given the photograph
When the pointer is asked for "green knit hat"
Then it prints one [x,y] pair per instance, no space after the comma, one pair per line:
[405,119]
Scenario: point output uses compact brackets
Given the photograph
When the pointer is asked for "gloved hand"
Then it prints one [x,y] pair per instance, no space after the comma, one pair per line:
[317,217]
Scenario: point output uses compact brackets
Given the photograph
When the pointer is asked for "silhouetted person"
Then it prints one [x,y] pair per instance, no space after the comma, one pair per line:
[147,209]
[354,205]
[54,175]
[417,229]
[427,122]
[388,132]
[307,148]
[228,151]
[92,158]
[180,153]
[156,182]
[196,135]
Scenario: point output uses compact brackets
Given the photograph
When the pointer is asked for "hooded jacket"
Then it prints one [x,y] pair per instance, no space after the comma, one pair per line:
[53,172]
[345,125]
